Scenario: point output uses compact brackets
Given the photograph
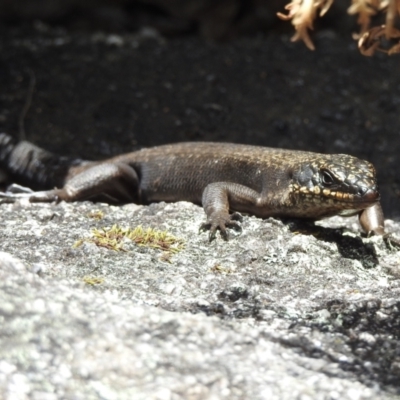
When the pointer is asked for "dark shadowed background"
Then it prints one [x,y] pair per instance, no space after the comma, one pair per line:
[95,78]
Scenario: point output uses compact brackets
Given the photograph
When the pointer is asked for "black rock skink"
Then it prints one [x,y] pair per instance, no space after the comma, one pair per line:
[223,177]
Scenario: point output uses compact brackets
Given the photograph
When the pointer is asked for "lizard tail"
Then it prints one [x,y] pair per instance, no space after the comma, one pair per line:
[32,166]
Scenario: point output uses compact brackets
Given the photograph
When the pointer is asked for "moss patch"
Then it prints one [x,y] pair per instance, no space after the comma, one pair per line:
[115,238]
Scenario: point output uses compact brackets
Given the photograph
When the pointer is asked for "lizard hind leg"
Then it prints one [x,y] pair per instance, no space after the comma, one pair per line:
[110,182]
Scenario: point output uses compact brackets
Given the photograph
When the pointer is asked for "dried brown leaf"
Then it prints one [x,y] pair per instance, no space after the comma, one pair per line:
[302,13]
[369,42]
[394,49]
[365,10]
[325,6]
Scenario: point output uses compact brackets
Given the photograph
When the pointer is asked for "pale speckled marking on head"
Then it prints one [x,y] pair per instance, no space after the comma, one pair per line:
[335,182]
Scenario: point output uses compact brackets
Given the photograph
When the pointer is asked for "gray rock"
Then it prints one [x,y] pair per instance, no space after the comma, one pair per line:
[282,311]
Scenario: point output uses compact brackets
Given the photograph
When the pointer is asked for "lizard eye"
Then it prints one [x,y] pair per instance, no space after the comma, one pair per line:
[327,178]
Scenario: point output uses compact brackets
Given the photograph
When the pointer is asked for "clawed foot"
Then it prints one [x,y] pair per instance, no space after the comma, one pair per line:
[221,223]
[16,192]
[391,241]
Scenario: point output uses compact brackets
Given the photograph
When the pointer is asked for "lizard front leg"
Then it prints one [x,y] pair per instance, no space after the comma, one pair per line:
[218,198]
[372,221]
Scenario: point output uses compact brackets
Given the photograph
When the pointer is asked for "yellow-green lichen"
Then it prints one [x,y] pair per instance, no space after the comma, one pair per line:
[115,237]
[93,280]
[219,269]
[96,214]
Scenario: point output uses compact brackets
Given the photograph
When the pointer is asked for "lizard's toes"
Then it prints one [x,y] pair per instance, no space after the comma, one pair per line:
[222,230]
[236,216]
[212,228]
[234,225]
[205,226]
[391,241]
[221,223]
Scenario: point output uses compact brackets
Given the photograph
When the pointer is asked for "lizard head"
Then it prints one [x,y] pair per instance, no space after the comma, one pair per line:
[338,184]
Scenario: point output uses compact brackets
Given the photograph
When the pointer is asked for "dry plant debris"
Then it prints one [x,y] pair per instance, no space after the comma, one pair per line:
[384,38]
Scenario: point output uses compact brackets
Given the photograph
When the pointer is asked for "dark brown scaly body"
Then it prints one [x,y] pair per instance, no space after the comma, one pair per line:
[222,176]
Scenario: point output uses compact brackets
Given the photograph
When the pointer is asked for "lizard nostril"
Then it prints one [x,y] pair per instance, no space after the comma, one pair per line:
[370,194]
[362,191]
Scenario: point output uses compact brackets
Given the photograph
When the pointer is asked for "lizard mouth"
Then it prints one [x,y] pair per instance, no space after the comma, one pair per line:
[367,196]
[358,203]
[370,196]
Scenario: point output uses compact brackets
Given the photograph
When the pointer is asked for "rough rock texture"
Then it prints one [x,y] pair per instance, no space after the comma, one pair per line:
[282,311]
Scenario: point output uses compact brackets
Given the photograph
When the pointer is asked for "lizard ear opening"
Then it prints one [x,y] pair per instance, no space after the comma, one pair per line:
[304,176]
